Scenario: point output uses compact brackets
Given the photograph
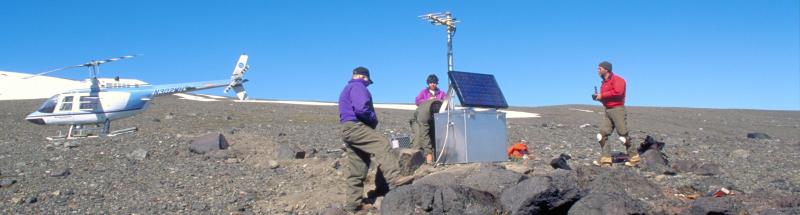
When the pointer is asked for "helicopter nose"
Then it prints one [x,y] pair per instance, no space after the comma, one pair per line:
[38,121]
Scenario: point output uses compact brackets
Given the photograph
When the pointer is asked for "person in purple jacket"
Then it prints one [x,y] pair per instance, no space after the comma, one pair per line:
[428,102]
[431,92]
[358,120]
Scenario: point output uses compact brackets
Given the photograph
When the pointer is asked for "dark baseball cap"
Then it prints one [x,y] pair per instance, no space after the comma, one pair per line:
[433,79]
[362,71]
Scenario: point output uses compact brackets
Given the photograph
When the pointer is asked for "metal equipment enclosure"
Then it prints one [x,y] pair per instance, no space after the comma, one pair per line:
[468,134]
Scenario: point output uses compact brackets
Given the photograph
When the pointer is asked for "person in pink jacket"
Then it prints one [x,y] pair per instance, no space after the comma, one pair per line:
[432,92]
[428,102]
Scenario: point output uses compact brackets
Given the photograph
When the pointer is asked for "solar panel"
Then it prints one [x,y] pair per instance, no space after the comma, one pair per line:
[477,90]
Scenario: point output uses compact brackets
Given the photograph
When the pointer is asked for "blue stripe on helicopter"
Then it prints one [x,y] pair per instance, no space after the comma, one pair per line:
[135,100]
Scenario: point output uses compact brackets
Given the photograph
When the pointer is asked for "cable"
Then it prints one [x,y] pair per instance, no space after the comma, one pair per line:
[446,135]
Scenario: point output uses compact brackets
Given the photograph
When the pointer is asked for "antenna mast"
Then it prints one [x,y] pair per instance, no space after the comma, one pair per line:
[445,19]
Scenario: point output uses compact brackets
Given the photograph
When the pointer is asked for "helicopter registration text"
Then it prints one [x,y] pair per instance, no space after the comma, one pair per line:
[167,91]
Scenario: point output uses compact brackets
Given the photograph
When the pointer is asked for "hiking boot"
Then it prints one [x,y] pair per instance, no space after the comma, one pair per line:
[633,155]
[604,162]
[633,161]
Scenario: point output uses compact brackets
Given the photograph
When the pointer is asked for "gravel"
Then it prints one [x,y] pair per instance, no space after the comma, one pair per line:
[104,177]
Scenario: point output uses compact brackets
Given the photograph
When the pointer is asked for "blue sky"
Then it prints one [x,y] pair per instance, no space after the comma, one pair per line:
[710,54]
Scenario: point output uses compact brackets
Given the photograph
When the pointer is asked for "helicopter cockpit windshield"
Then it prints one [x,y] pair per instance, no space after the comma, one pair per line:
[49,106]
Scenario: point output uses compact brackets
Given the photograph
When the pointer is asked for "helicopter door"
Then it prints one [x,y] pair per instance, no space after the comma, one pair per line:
[91,104]
[66,104]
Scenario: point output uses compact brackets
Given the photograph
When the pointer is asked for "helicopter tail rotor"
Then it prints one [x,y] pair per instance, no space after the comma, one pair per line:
[237,78]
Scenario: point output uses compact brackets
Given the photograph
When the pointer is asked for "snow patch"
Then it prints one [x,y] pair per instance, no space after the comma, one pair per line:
[194,97]
[582,110]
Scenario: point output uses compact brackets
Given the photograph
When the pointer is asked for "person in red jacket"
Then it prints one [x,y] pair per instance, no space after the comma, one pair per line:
[612,95]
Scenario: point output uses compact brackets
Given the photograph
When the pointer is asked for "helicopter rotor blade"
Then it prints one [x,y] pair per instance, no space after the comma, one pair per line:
[54,70]
[114,59]
[89,64]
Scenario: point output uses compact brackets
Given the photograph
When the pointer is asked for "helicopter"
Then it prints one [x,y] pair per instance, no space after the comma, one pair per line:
[98,106]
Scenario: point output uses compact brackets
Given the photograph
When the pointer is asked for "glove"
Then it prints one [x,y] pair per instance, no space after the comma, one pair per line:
[594,97]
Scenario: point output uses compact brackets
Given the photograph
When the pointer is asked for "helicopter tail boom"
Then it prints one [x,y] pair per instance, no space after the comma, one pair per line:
[236,83]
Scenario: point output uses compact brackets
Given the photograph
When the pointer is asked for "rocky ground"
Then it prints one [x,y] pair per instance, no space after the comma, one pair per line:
[153,171]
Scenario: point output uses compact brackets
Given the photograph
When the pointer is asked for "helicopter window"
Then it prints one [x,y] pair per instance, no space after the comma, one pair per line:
[88,103]
[66,104]
[66,107]
[49,106]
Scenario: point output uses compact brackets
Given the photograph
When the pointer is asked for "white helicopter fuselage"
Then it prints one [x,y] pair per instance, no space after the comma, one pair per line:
[85,108]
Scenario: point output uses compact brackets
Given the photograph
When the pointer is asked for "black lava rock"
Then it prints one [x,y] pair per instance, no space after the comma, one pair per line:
[62,172]
[492,179]
[758,135]
[655,161]
[450,199]
[543,194]
[650,143]
[607,203]
[7,182]
[560,162]
[614,191]
[208,142]
[714,205]
[31,199]
[284,150]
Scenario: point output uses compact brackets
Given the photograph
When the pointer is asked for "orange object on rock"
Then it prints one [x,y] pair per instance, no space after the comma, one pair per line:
[518,150]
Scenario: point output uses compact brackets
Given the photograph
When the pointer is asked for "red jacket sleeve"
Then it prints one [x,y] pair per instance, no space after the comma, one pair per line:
[617,90]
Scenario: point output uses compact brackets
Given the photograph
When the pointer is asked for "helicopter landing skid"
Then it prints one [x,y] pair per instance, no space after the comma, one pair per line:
[80,132]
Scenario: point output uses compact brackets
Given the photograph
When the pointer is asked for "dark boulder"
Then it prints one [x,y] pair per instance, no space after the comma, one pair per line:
[715,205]
[430,199]
[492,179]
[208,142]
[543,194]
[285,150]
[488,178]
[607,180]
[653,158]
[655,161]
[607,203]
[650,143]
[560,162]
[474,177]
[627,188]
[758,135]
